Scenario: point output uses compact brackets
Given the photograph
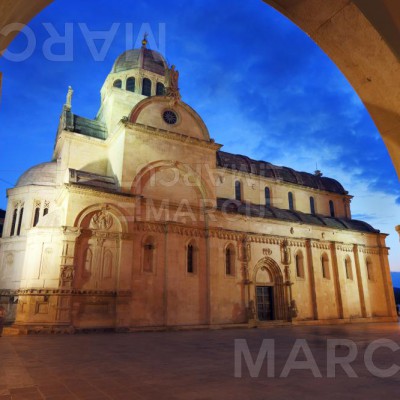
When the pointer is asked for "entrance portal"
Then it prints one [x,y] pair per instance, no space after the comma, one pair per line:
[265,303]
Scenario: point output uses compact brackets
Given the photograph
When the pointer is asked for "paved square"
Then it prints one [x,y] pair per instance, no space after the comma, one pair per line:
[191,365]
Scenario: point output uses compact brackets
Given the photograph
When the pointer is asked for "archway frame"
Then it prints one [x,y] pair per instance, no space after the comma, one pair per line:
[275,272]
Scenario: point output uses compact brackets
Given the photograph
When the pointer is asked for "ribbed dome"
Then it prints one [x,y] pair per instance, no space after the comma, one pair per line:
[40,175]
[146,59]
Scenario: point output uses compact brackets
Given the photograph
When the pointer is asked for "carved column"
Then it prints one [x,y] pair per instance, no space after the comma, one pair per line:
[245,256]
[67,274]
[286,258]
[67,268]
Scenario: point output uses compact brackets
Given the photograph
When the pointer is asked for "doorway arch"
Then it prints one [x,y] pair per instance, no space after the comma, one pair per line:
[269,292]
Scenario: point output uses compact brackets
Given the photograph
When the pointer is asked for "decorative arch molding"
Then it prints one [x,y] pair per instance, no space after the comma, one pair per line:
[277,281]
[270,265]
[180,107]
[118,215]
[145,174]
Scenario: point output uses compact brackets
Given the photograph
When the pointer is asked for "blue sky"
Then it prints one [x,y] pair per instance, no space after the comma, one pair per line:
[263,88]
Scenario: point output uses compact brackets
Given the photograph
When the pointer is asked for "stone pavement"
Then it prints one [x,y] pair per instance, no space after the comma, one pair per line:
[190,365]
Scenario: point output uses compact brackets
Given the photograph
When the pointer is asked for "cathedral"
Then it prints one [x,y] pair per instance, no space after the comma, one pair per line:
[140,221]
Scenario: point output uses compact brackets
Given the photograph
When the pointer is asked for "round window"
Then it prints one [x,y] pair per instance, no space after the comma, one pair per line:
[170,117]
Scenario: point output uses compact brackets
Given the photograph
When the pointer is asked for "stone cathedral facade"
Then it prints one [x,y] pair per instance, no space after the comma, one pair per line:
[141,221]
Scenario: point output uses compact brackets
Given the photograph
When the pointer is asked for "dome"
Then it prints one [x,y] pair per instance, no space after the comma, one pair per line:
[40,175]
[143,58]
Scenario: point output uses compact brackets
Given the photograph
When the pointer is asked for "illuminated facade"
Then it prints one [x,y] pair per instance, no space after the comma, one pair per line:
[140,221]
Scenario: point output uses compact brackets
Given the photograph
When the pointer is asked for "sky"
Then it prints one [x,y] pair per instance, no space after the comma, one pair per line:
[262,86]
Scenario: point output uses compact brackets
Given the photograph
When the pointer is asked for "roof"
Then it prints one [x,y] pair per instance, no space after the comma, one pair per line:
[89,127]
[149,60]
[84,178]
[44,174]
[261,211]
[262,168]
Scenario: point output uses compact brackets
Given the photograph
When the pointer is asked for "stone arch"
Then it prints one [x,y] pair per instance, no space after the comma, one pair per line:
[369,265]
[299,264]
[189,118]
[146,173]
[360,37]
[348,267]
[267,272]
[192,256]
[230,258]
[98,248]
[83,219]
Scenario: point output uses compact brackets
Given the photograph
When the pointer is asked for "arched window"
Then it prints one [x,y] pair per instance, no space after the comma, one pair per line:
[347,266]
[108,265]
[190,258]
[88,257]
[312,205]
[146,87]
[148,255]
[230,260]
[238,190]
[290,200]
[14,222]
[45,211]
[130,84]
[21,215]
[118,84]
[267,197]
[299,259]
[36,216]
[331,208]
[160,89]
[370,269]
[325,266]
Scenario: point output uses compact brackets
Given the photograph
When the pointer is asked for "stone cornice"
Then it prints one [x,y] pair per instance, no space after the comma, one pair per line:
[81,189]
[179,137]
[344,248]
[62,292]
[371,250]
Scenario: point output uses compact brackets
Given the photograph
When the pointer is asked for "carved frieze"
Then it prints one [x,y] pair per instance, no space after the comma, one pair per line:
[102,220]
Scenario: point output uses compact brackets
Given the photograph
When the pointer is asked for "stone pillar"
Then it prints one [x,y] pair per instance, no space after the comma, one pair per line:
[387,281]
[165,286]
[311,274]
[359,281]
[336,281]
[67,274]
[291,309]
[124,282]
[244,250]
